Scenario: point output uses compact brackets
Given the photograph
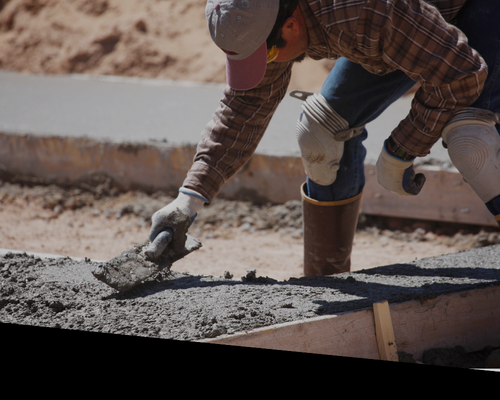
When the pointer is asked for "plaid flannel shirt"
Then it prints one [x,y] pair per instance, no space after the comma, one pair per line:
[382,35]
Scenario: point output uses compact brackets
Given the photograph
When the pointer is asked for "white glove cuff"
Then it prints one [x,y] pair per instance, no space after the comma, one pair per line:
[390,172]
[189,204]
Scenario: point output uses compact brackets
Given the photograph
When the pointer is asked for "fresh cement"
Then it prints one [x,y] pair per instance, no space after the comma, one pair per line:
[63,293]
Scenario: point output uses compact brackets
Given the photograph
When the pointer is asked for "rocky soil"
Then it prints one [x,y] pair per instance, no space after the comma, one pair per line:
[39,218]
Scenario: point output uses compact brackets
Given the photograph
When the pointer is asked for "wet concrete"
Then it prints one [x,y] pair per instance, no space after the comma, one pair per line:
[63,293]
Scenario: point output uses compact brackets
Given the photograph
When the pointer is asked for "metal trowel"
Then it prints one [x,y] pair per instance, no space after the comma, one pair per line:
[143,261]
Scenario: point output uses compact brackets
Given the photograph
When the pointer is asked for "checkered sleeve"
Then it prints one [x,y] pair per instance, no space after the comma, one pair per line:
[413,37]
[238,124]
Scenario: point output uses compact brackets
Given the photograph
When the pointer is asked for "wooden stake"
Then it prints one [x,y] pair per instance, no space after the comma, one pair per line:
[385,334]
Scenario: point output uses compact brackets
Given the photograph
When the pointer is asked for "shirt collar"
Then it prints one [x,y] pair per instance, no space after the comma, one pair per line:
[315,31]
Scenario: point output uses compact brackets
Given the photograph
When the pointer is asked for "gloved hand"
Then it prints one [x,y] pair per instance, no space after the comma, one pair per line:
[170,223]
[398,175]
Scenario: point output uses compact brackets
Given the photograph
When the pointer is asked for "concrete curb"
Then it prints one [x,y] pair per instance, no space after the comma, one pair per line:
[3,252]
[153,166]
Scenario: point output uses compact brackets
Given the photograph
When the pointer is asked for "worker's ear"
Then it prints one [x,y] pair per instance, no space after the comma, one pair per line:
[290,29]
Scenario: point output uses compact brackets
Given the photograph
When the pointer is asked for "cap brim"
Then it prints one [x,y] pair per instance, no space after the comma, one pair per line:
[247,73]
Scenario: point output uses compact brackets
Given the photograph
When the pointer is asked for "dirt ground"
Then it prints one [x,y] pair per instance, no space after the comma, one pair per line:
[236,236]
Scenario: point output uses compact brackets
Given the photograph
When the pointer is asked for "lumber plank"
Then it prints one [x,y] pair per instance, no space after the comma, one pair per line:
[348,334]
[470,319]
[444,197]
[384,332]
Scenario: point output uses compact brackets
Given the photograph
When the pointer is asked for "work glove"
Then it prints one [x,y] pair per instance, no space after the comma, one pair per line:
[397,175]
[170,224]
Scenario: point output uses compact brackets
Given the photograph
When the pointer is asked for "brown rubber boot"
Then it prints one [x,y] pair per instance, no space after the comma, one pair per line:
[329,229]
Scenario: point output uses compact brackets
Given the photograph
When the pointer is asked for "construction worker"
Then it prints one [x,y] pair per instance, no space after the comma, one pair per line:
[382,47]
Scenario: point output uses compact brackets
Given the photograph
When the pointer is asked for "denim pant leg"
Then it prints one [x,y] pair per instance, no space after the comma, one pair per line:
[359,97]
[479,21]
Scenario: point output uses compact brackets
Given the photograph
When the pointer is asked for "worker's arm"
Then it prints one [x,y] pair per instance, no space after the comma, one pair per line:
[237,126]
[416,39]
[227,143]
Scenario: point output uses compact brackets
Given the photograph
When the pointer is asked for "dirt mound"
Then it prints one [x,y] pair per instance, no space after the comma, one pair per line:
[149,38]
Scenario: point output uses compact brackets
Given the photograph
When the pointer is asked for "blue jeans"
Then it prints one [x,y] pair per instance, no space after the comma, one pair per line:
[360,97]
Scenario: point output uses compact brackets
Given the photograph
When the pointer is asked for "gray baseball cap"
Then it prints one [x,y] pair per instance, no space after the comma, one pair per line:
[240,28]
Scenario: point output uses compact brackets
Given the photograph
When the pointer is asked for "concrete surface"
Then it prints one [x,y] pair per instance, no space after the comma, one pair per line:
[138,110]
[141,134]
[62,293]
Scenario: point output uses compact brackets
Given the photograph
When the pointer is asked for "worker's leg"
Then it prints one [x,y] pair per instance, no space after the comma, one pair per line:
[479,21]
[330,212]
[359,97]
[329,228]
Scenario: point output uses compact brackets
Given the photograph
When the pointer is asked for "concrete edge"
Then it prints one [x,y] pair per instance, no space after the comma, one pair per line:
[476,322]
[3,252]
[153,166]
[139,80]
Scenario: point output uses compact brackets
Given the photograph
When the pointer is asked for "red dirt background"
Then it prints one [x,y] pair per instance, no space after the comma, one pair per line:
[163,39]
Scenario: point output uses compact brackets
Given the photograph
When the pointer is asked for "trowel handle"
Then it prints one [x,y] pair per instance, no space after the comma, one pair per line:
[159,244]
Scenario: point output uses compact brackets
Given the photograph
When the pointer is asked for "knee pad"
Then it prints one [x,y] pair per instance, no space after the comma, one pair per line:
[474,148]
[321,133]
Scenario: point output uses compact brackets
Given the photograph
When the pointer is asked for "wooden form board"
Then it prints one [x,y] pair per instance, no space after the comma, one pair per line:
[445,196]
[470,319]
